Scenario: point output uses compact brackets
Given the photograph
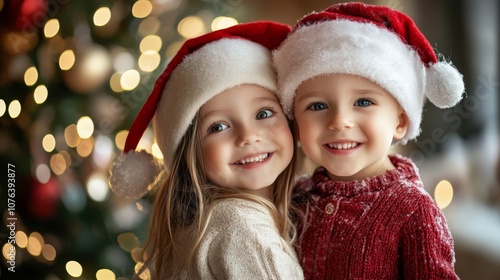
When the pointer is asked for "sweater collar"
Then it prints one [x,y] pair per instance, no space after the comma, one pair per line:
[405,170]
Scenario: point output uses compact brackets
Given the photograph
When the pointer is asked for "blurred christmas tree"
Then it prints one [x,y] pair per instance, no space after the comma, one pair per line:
[74,75]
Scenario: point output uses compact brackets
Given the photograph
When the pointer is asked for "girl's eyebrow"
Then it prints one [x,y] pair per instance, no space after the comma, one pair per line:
[208,114]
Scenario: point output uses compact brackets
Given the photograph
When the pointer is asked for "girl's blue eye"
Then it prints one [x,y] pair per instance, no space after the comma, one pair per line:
[363,103]
[218,127]
[316,106]
[265,113]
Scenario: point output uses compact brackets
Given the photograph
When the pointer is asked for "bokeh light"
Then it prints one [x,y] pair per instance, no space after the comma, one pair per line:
[51,28]
[151,43]
[130,79]
[191,26]
[35,243]
[120,139]
[74,268]
[42,173]
[85,127]
[149,61]
[14,109]
[105,274]
[102,16]
[31,76]
[67,60]
[142,9]
[49,143]
[97,187]
[223,22]
[85,147]
[49,252]
[443,193]
[21,239]
[71,135]
[3,107]
[40,95]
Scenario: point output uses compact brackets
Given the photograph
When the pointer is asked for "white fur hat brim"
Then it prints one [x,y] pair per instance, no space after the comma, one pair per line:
[214,68]
[364,49]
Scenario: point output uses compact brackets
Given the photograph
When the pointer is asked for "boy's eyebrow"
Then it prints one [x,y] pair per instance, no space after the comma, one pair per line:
[305,96]
[369,91]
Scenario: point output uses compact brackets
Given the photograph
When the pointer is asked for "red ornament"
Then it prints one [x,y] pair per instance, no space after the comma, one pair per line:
[44,199]
[26,15]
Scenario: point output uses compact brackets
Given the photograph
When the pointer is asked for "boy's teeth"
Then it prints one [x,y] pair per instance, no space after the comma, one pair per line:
[254,159]
[342,146]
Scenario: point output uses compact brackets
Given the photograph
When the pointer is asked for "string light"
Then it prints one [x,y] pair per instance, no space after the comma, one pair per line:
[443,194]
[42,173]
[30,76]
[21,239]
[130,79]
[97,188]
[191,26]
[51,28]
[73,268]
[85,147]
[105,274]
[114,82]
[142,9]
[149,61]
[85,127]
[40,95]
[49,252]
[120,138]
[71,135]
[155,149]
[3,107]
[49,143]
[57,164]
[67,60]
[151,42]
[35,243]
[102,16]
[149,26]
[223,22]
[14,109]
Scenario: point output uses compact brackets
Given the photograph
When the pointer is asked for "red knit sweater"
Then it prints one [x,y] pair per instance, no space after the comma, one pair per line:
[385,227]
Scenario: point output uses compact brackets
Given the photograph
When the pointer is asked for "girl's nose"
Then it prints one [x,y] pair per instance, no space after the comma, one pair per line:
[248,135]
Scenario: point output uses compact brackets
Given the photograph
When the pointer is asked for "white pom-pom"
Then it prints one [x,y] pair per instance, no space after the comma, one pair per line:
[134,173]
[444,85]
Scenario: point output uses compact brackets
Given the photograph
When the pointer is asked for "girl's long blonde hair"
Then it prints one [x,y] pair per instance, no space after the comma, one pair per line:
[185,202]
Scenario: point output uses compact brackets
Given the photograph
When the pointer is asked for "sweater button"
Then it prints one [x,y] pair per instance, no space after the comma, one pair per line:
[329,208]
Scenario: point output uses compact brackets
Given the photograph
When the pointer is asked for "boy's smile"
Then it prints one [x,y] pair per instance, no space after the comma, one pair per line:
[347,124]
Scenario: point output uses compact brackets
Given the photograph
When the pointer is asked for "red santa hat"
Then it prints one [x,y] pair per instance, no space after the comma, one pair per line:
[374,42]
[203,67]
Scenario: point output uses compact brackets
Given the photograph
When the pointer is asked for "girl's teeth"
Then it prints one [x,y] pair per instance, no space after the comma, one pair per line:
[254,159]
[343,146]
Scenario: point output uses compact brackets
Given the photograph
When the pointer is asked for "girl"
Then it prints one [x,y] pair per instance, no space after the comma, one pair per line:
[227,145]
[355,78]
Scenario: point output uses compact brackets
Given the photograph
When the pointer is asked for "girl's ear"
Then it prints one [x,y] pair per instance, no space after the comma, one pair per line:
[402,125]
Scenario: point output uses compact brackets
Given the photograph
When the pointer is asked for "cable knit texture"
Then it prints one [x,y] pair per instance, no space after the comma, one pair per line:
[241,242]
[385,227]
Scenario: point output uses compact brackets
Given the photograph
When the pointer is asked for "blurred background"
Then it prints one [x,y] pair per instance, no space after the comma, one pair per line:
[75,73]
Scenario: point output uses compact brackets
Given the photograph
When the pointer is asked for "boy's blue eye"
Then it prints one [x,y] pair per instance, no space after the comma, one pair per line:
[218,127]
[363,103]
[317,106]
[265,113]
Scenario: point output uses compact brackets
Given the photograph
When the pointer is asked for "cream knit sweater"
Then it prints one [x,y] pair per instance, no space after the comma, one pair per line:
[242,242]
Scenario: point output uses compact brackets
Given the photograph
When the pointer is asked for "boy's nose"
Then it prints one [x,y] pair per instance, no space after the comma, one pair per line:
[340,120]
